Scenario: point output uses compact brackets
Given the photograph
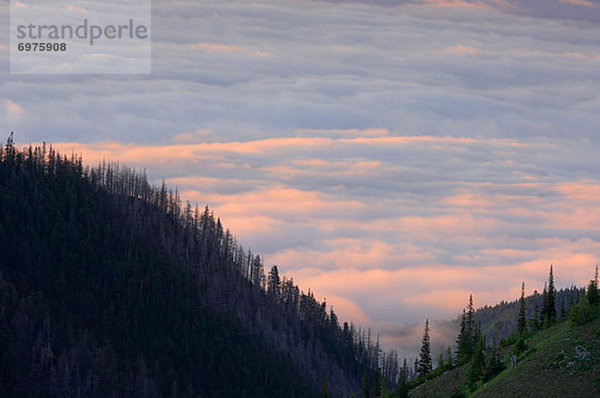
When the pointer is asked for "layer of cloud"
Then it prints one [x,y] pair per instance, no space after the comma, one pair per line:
[264,69]
[394,228]
[388,157]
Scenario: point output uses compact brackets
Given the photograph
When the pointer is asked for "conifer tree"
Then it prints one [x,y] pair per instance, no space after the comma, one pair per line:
[495,364]
[470,312]
[467,338]
[534,321]
[522,320]
[425,363]
[544,313]
[477,335]
[593,296]
[449,359]
[477,367]
[551,298]
[274,283]
[463,350]
[402,390]
[416,368]
[440,364]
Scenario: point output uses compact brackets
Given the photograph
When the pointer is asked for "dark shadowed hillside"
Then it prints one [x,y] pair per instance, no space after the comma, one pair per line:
[109,287]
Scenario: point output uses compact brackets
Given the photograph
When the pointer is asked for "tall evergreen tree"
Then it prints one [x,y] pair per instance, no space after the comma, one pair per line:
[522,320]
[544,314]
[402,390]
[477,367]
[551,298]
[534,321]
[425,362]
[449,359]
[463,343]
[440,362]
[274,283]
[470,323]
[416,368]
[467,337]
[494,365]
[592,293]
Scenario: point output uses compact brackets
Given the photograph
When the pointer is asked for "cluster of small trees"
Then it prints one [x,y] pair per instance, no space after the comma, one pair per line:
[586,307]
[547,316]
[472,348]
[578,306]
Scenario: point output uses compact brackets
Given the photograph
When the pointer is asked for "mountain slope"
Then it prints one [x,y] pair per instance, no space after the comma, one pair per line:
[108,287]
[561,361]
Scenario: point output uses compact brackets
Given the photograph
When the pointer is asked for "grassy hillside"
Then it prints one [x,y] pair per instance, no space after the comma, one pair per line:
[561,361]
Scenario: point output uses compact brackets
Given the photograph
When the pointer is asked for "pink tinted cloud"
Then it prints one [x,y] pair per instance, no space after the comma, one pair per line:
[344,132]
[455,3]
[389,245]
[184,152]
[72,8]
[585,3]
[346,309]
[282,201]
[12,108]
[422,287]
[226,49]
[574,55]
[459,49]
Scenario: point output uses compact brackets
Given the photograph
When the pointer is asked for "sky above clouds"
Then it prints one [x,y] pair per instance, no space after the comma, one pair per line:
[393,156]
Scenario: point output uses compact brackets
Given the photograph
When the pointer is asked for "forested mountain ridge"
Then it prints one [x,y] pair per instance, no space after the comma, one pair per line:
[109,287]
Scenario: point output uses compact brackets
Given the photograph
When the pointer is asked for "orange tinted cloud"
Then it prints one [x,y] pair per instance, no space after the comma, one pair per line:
[73,8]
[184,152]
[282,201]
[11,107]
[331,214]
[459,49]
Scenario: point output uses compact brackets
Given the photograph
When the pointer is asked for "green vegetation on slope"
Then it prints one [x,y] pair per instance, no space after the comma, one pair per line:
[562,360]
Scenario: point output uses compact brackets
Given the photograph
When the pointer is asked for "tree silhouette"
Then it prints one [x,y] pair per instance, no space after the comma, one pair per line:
[522,319]
[425,362]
